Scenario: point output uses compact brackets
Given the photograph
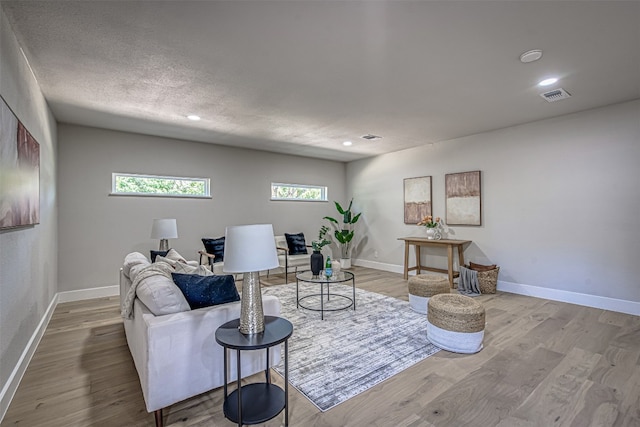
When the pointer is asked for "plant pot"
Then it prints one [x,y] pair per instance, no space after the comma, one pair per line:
[317,262]
[345,262]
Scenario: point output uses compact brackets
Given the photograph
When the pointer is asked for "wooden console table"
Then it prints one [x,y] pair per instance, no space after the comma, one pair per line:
[423,241]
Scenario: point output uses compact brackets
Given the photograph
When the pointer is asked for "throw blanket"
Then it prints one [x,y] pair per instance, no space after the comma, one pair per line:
[158,268]
[468,282]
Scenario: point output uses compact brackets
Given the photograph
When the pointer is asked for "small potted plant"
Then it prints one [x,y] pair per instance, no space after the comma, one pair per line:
[317,259]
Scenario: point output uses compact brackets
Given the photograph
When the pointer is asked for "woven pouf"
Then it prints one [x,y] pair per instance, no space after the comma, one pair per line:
[455,323]
[424,286]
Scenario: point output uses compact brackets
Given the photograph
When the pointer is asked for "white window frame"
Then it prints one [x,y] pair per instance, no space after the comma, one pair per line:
[206,181]
[324,192]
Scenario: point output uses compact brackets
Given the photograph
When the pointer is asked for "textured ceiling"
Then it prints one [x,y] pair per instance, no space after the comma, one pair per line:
[301,77]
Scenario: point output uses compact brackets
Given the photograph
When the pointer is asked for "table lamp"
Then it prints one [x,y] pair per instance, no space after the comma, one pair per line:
[249,249]
[164,229]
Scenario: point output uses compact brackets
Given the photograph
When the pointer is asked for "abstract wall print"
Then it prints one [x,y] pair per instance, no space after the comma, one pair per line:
[19,172]
[417,199]
[462,192]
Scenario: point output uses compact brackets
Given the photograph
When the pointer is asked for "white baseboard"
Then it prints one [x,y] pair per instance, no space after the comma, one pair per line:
[595,301]
[83,294]
[9,389]
[605,303]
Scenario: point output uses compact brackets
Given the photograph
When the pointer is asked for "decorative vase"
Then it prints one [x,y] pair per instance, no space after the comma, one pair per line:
[434,233]
[335,266]
[317,262]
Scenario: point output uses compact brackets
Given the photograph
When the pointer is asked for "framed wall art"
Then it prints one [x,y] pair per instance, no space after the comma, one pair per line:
[19,172]
[462,198]
[417,199]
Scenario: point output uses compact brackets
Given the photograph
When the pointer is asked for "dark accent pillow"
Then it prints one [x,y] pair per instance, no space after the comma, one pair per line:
[480,267]
[296,244]
[205,291]
[154,254]
[214,247]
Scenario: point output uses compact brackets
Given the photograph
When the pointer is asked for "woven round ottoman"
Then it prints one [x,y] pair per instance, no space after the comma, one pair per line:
[424,286]
[455,323]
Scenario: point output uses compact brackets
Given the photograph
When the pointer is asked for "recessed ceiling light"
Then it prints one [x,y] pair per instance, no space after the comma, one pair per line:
[193,117]
[548,82]
[530,56]
[347,143]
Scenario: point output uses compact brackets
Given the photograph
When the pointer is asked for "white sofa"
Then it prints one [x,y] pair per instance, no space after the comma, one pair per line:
[176,355]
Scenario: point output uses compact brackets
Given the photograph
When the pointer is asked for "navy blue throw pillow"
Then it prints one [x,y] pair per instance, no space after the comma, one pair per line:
[205,291]
[214,247]
[154,254]
[296,244]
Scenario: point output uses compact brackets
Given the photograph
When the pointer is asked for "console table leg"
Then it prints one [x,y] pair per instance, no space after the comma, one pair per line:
[406,260]
[450,264]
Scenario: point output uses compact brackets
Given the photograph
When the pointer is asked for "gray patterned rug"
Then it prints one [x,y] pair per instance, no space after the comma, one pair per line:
[348,352]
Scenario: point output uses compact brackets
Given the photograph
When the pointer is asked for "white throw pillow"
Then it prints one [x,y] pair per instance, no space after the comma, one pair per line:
[200,270]
[161,295]
[175,256]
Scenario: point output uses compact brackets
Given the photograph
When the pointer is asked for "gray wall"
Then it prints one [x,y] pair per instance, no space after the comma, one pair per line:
[28,261]
[560,201]
[97,230]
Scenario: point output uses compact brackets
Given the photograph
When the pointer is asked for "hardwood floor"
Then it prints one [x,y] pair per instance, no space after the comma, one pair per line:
[544,363]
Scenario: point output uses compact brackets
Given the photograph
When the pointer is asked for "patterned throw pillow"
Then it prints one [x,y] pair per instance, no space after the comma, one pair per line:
[205,291]
[296,244]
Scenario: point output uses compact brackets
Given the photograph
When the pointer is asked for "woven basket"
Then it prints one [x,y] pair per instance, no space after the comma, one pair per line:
[488,280]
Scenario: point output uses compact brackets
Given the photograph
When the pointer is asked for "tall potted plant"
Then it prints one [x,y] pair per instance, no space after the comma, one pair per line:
[344,232]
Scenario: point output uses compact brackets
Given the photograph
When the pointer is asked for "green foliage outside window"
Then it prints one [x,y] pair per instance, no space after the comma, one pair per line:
[132,184]
[297,192]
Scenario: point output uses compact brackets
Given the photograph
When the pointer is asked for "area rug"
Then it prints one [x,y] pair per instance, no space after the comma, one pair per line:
[348,352]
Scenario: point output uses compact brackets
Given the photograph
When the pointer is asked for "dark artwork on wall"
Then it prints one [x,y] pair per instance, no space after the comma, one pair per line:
[19,172]
[417,199]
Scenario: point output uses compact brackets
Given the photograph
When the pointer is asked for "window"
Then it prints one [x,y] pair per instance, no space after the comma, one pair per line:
[127,184]
[307,193]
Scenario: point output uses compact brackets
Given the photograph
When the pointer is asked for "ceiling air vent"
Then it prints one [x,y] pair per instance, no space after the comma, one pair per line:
[370,137]
[555,95]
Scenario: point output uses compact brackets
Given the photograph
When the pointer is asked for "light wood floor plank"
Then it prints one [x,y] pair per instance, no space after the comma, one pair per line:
[545,363]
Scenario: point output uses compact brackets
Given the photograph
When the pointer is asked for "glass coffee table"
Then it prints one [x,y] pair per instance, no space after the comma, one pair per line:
[306,301]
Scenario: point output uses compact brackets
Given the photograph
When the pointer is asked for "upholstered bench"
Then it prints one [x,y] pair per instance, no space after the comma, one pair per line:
[424,286]
[455,323]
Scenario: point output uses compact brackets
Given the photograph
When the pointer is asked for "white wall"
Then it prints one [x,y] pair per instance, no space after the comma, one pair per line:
[97,230]
[28,261]
[560,201]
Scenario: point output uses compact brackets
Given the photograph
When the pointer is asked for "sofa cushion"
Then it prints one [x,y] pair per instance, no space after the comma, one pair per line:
[214,247]
[205,291]
[161,296]
[200,270]
[296,243]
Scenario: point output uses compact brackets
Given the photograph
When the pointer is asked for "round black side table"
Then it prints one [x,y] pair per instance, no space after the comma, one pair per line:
[257,402]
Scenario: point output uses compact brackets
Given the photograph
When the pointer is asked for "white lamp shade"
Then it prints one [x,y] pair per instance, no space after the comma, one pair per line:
[249,248]
[164,229]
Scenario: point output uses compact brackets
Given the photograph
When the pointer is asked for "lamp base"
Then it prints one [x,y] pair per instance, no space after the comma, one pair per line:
[251,312]
[164,245]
